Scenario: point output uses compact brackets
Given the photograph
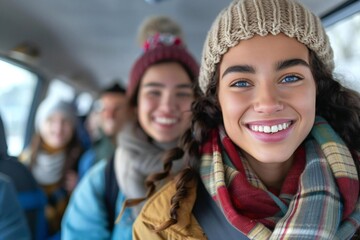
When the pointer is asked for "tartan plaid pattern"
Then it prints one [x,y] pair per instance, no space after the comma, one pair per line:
[318,200]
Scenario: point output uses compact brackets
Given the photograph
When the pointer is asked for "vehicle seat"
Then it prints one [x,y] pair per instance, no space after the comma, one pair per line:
[31,197]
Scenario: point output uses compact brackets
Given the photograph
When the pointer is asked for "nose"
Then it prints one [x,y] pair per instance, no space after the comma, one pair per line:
[268,100]
[168,103]
[109,112]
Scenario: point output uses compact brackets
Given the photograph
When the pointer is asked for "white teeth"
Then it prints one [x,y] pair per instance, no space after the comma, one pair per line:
[267,129]
[270,129]
[163,120]
[261,128]
[274,129]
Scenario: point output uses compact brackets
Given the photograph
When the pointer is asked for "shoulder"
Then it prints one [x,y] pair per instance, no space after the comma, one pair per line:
[157,209]
[158,206]
[96,175]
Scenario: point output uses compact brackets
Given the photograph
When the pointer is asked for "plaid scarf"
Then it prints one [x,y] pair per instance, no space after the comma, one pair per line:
[318,199]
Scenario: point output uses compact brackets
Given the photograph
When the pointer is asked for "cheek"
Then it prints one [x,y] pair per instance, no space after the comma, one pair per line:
[68,131]
[186,104]
[145,105]
[232,106]
[143,110]
[305,102]
[45,129]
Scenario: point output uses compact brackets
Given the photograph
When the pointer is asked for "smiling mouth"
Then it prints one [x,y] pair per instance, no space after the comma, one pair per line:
[270,129]
[166,121]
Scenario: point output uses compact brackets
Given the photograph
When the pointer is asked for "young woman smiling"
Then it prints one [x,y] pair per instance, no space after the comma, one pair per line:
[160,93]
[272,152]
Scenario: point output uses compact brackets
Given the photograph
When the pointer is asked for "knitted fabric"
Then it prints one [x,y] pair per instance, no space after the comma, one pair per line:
[159,49]
[243,19]
[50,106]
[135,159]
[318,200]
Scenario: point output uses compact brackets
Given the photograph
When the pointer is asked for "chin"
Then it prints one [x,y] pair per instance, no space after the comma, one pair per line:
[271,158]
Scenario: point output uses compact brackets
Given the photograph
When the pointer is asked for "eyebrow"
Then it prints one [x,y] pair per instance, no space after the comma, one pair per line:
[239,68]
[281,65]
[155,84]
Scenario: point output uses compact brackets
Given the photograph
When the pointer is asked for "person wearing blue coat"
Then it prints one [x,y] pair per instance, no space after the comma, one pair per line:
[160,93]
[85,218]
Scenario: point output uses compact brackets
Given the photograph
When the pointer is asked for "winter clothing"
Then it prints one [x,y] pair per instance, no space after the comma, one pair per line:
[49,170]
[102,148]
[156,212]
[50,106]
[86,214]
[158,24]
[13,224]
[197,214]
[159,48]
[243,19]
[328,185]
[135,159]
[324,179]
[50,166]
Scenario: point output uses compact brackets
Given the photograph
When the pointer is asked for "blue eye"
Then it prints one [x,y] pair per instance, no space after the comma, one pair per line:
[291,78]
[241,84]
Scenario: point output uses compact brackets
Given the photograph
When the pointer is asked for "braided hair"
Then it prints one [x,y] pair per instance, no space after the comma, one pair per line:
[339,105]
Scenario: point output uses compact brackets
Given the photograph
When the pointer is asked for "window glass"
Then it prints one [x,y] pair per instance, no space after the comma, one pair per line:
[60,90]
[345,41]
[84,102]
[17,88]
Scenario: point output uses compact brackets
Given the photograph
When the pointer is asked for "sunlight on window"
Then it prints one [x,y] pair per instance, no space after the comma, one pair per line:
[84,102]
[17,87]
[345,41]
[60,90]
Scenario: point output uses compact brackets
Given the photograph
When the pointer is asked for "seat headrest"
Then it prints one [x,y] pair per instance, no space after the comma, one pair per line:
[3,144]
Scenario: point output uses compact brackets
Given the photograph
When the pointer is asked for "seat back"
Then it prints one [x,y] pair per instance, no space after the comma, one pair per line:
[31,197]
[3,144]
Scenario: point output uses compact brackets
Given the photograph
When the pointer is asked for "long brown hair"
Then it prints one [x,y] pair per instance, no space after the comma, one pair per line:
[339,105]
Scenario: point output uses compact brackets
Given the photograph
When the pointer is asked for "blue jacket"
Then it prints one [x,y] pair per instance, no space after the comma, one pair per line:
[101,149]
[13,224]
[86,214]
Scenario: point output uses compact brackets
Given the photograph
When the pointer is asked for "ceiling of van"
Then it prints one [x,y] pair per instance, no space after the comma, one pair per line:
[93,42]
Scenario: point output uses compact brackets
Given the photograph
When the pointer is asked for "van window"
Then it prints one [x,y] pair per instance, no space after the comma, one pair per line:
[17,88]
[345,40]
[60,90]
[84,102]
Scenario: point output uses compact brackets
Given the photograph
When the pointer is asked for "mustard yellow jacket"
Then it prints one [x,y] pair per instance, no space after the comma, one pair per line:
[156,211]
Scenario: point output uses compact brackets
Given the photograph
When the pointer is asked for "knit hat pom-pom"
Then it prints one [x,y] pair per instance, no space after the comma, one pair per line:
[158,25]
[161,40]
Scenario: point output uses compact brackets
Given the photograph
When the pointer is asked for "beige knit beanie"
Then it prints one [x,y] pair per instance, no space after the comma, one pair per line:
[242,19]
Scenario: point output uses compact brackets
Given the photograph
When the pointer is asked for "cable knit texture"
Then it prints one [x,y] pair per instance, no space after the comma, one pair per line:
[242,19]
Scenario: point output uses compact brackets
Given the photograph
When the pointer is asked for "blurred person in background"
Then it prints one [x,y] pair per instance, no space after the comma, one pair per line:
[160,93]
[104,122]
[53,155]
